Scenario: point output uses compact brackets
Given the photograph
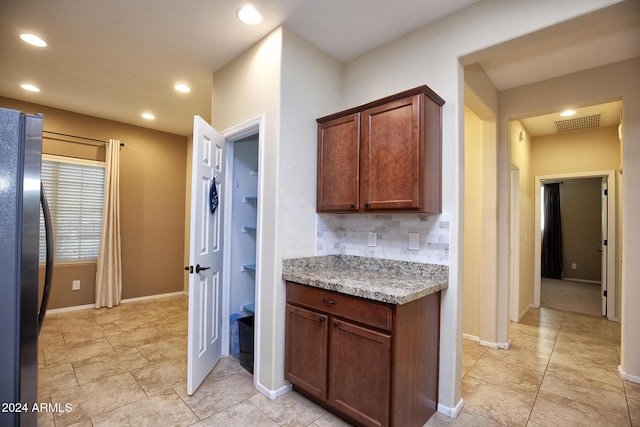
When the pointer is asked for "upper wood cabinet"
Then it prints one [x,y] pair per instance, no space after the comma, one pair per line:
[382,156]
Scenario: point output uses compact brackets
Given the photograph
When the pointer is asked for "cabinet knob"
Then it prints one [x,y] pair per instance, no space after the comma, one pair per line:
[335,324]
[353,206]
[366,205]
[321,319]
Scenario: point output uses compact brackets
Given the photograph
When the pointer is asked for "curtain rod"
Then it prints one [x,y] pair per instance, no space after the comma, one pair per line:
[77,137]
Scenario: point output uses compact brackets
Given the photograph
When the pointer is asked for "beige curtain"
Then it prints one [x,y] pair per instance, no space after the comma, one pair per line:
[109,272]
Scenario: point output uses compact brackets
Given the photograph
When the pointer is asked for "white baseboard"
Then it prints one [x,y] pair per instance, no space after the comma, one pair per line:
[582,280]
[628,377]
[524,313]
[451,412]
[496,345]
[470,337]
[124,301]
[273,394]
[170,294]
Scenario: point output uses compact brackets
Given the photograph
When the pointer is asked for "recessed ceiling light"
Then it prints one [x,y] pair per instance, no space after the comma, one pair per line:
[34,40]
[30,87]
[148,116]
[567,113]
[182,88]
[249,15]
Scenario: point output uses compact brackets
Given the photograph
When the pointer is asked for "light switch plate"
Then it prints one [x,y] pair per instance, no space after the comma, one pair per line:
[373,238]
[414,241]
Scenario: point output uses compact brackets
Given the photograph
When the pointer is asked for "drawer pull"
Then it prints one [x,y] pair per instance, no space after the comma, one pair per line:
[329,301]
[321,319]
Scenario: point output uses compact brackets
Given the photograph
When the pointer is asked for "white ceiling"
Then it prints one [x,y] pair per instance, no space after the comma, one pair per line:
[118,58]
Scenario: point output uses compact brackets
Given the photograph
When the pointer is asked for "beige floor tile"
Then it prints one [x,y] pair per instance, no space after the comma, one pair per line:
[547,332]
[466,418]
[514,377]
[289,410]
[76,352]
[57,377]
[576,385]
[553,410]
[330,420]
[136,337]
[91,399]
[472,351]
[171,348]
[600,354]
[223,388]
[240,414]
[498,403]
[160,376]
[532,343]
[164,409]
[523,358]
[604,372]
[108,364]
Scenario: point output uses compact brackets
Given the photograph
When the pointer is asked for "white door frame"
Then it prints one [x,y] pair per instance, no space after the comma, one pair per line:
[610,175]
[514,252]
[231,135]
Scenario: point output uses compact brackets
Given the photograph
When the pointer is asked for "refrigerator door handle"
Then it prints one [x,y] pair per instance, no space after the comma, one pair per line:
[48,275]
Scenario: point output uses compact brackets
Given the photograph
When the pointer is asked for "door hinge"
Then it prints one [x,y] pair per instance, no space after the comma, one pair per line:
[604,293]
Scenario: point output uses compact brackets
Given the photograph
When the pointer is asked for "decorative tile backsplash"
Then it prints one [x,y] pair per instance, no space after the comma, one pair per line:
[349,235]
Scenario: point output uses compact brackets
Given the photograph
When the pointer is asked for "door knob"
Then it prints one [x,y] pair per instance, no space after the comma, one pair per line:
[199,269]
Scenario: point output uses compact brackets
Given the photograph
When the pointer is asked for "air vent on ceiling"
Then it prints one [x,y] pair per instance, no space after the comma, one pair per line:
[579,123]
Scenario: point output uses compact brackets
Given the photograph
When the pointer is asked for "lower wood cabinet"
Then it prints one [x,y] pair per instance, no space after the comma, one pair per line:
[372,363]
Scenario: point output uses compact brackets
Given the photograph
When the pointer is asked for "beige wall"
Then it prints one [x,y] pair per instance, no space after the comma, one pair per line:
[590,150]
[152,177]
[472,223]
[521,159]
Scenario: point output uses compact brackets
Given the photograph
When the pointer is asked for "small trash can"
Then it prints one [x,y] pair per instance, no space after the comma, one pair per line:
[245,335]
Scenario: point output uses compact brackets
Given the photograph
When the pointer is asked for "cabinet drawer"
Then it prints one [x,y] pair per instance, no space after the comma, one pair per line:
[372,313]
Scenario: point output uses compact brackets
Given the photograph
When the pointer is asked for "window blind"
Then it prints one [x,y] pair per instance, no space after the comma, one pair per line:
[75,191]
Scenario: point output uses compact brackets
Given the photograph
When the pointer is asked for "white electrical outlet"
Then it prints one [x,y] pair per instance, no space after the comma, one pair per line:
[373,238]
[76,285]
[414,241]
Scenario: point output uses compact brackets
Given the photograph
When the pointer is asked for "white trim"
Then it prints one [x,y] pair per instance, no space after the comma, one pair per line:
[451,412]
[569,279]
[124,301]
[148,297]
[273,394]
[496,345]
[514,253]
[628,377]
[250,127]
[73,160]
[470,337]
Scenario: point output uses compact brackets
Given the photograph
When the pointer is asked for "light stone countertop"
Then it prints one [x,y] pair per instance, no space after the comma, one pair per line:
[390,281]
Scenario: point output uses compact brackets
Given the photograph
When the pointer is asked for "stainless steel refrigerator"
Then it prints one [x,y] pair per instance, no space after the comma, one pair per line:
[22,308]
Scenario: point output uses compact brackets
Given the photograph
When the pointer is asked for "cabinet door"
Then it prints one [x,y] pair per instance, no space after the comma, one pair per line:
[338,165]
[306,349]
[392,155]
[360,373]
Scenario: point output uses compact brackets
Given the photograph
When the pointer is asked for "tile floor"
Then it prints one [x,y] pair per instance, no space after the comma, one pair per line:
[126,366]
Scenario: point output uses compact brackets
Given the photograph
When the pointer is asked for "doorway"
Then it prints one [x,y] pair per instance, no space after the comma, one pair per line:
[606,258]
[244,159]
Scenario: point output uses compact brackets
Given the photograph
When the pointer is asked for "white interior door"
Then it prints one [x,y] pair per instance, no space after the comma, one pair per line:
[604,242]
[206,254]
